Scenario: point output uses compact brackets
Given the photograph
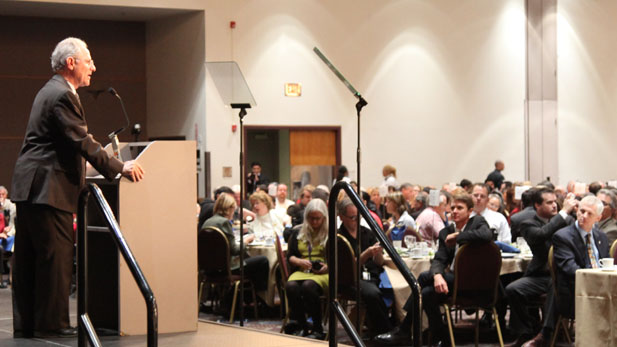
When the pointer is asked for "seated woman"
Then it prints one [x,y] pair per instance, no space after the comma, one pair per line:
[266,220]
[401,220]
[255,268]
[306,255]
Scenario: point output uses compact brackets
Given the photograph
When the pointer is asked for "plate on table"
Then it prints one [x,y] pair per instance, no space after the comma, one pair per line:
[508,255]
[257,243]
[612,268]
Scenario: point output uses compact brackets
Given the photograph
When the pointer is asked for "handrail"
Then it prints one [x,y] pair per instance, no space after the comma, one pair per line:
[84,324]
[336,309]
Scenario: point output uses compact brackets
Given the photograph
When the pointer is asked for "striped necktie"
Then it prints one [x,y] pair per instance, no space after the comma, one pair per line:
[592,257]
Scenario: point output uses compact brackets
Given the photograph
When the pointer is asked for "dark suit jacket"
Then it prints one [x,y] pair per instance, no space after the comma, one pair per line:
[570,254]
[517,219]
[476,230]
[538,235]
[51,165]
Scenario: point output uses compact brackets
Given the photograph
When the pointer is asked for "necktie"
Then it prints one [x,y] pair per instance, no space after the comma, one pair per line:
[592,258]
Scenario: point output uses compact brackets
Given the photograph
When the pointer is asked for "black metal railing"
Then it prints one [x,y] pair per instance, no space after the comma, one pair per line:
[86,330]
[336,310]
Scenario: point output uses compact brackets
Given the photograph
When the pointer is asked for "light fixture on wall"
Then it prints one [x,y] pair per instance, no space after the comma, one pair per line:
[293,89]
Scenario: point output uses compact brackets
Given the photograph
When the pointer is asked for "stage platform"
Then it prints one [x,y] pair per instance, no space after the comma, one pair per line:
[207,334]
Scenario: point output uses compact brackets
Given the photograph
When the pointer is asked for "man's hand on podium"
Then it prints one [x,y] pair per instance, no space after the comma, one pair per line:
[133,171]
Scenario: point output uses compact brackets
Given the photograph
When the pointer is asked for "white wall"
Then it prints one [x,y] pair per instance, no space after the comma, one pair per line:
[587,76]
[444,81]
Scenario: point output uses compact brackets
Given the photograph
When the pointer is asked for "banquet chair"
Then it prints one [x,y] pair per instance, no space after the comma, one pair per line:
[214,263]
[476,283]
[561,319]
[284,275]
[347,272]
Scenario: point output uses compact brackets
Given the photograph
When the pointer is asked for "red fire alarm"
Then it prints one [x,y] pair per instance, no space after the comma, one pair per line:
[234,128]
[232,24]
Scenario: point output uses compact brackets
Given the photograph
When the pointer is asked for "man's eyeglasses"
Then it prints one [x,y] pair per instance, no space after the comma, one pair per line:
[351,217]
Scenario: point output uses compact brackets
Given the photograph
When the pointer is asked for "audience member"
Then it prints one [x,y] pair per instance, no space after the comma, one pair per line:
[256,179]
[401,220]
[496,177]
[9,210]
[438,283]
[371,259]
[496,221]
[282,204]
[429,222]
[297,211]
[419,204]
[528,212]
[266,220]
[380,207]
[207,206]
[320,193]
[466,184]
[607,223]
[256,268]
[366,198]
[594,187]
[578,246]
[536,282]
[342,174]
[495,203]
[389,177]
[306,255]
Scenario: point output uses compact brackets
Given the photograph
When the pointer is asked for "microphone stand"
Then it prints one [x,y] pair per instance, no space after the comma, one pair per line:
[113,136]
[241,115]
[359,105]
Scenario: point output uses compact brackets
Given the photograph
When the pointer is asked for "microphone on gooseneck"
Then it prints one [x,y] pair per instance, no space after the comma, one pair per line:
[113,92]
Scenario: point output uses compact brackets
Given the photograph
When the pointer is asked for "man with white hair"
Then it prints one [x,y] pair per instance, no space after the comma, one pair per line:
[578,246]
[48,177]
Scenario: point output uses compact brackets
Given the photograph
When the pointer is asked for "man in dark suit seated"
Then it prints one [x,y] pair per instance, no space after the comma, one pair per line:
[578,246]
[607,223]
[537,279]
[528,212]
[437,283]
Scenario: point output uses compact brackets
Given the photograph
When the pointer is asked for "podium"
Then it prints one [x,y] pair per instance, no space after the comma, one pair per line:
[157,217]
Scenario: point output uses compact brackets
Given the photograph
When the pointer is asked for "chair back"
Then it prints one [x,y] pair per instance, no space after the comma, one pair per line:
[347,269]
[280,256]
[476,274]
[613,251]
[213,258]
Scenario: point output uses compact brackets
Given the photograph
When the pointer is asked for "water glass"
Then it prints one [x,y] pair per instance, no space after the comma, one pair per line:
[410,241]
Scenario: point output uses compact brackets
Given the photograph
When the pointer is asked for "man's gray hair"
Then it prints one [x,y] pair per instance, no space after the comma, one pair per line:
[611,195]
[342,205]
[593,200]
[2,188]
[69,47]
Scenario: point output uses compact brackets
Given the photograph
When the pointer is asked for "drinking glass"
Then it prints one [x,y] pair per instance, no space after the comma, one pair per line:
[410,241]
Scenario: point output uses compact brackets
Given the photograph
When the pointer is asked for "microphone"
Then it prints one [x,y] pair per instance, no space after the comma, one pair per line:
[113,92]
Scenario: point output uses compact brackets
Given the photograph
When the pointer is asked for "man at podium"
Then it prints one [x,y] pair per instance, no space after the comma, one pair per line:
[48,177]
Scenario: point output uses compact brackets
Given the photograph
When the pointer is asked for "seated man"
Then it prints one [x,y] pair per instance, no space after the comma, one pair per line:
[607,223]
[578,246]
[537,279]
[372,261]
[281,204]
[495,220]
[437,283]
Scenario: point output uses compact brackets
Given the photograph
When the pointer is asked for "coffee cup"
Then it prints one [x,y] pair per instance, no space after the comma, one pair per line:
[398,244]
[607,262]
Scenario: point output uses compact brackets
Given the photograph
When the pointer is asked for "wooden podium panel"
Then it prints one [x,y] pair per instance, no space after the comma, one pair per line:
[157,218]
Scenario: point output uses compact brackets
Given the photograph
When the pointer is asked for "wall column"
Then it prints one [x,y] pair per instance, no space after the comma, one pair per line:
[541,152]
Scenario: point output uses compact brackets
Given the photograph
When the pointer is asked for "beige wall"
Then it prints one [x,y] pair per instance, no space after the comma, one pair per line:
[444,81]
[587,89]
